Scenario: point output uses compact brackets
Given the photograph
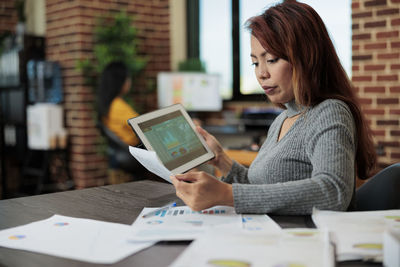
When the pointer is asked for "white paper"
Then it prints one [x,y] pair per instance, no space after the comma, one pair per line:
[289,247]
[74,238]
[259,223]
[358,235]
[391,247]
[181,223]
[151,162]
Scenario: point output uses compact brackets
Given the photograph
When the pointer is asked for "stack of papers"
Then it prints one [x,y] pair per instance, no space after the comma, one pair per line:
[222,237]
[358,235]
[106,243]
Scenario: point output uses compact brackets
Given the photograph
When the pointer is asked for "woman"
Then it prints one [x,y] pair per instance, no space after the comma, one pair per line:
[314,148]
[115,81]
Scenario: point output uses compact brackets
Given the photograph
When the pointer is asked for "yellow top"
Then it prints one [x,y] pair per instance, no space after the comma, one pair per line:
[116,121]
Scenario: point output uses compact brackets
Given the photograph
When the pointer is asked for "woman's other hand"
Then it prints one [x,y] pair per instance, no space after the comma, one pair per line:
[221,160]
[200,190]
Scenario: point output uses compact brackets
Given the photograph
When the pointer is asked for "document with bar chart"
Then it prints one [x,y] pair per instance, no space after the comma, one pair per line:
[181,223]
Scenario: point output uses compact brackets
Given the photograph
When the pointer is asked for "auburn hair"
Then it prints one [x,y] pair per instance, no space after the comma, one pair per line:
[295,32]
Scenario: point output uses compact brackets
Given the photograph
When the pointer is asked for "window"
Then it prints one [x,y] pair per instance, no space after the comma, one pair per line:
[225,44]
[216,41]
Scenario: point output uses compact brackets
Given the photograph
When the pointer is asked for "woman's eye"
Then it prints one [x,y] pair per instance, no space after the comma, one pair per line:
[273,60]
[255,64]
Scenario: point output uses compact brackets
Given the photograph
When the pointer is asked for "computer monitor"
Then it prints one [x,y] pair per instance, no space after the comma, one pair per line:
[194,90]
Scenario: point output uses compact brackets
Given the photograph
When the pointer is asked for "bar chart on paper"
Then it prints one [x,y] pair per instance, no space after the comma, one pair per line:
[180,211]
[182,223]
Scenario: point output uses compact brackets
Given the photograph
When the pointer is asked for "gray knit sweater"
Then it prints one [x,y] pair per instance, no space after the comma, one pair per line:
[313,165]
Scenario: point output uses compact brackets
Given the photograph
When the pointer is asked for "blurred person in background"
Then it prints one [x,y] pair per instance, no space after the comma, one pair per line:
[113,110]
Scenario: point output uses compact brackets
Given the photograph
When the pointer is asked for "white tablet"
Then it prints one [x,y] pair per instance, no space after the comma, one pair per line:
[170,132]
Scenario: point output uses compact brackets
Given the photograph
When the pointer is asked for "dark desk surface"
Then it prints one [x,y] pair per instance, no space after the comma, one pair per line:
[115,203]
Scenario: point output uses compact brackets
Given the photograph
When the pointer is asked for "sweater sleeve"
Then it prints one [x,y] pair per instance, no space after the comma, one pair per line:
[330,147]
[237,174]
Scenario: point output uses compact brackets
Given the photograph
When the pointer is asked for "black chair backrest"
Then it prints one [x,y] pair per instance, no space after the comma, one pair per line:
[114,141]
[381,192]
[119,154]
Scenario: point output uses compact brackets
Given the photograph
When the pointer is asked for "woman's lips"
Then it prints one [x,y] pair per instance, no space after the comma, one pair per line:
[269,89]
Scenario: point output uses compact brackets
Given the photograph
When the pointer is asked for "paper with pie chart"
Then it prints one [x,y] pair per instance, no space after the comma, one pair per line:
[181,223]
[74,238]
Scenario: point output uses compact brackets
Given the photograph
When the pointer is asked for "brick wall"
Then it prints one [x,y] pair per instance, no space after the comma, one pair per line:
[8,16]
[69,38]
[376,71]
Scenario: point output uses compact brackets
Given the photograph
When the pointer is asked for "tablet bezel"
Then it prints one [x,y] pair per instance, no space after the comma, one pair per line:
[134,123]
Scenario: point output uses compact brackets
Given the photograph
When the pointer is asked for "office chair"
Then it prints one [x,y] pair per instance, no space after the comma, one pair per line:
[381,192]
[119,155]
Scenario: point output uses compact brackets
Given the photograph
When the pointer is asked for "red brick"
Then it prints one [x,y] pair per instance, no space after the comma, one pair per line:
[389,34]
[362,15]
[395,155]
[375,24]
[374,89]
[378,132]
[395,44]
[389,143]
[361,57]
[361,78]
[365,101]
[388,123]
[374,67]
[393,77]
[387,101]
[355,68]
[395,67]
[375,46]
[394,111]
[389,56]
[375,3]
[362,36]
[355,5]
[374,111]
[395,22]
[395,89]
[355,26]
[389,11]
[395,132]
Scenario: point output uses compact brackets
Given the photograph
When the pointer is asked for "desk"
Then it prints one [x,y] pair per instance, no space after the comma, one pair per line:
[119,203]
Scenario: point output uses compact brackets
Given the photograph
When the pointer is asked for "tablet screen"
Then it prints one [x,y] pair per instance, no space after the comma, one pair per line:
[170,132]
[174,140]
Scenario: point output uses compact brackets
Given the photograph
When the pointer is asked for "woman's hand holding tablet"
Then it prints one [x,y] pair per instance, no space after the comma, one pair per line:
[171,133]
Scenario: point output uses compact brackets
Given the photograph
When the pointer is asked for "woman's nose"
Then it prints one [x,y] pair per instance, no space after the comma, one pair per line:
[263,73]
